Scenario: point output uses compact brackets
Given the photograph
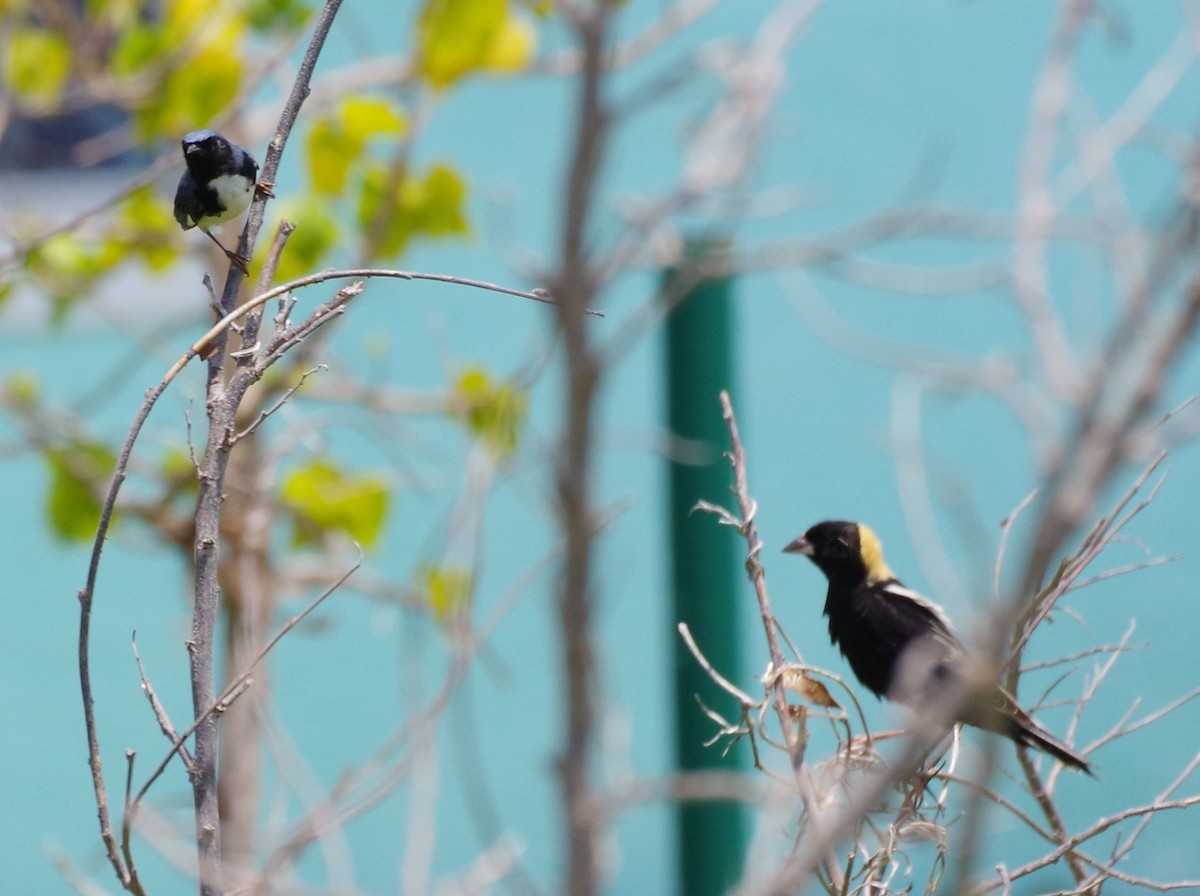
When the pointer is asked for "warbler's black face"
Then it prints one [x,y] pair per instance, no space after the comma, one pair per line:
[834,546]
[207,151]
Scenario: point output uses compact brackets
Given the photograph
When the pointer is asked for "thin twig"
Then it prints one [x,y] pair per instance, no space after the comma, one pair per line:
[719,679]
[239,684]
[160,712]
[794,737]
[279,403]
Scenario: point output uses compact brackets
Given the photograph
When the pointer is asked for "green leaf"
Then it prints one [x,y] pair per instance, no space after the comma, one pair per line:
[513,45]
[315,235]
[204,47]
[194,19]
[145,227]
[363,117]
[331,152]
[430,207]
[323,500]
[445,590]
[113,15]
[22,388]
[437,204]
[77,473]
[136,48]
[455,37]
[66,268]
[336,142]
[37,64]
[493,412]
[277,15]
[200,90]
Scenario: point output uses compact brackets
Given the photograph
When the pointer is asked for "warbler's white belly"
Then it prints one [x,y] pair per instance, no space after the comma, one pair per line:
[234,192]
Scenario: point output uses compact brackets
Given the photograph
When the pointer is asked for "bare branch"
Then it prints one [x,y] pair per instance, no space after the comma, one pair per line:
[239,684]
[160,712]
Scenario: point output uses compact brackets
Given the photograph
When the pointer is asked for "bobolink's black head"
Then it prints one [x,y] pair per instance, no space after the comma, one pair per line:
[844,551]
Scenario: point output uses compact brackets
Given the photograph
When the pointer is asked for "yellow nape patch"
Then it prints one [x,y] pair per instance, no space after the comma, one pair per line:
[871,551]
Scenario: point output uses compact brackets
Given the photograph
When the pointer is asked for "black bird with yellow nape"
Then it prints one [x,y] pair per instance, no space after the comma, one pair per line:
[900,644]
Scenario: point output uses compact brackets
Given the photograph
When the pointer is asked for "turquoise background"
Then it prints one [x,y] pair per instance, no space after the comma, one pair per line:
[884,103]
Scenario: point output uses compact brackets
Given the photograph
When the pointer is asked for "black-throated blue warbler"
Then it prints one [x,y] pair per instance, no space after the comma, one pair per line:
[216,187]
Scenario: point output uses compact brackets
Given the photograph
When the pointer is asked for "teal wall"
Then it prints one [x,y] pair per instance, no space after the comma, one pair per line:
[884,102]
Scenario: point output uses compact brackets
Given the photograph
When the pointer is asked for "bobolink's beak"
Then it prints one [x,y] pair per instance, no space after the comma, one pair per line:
[800,546]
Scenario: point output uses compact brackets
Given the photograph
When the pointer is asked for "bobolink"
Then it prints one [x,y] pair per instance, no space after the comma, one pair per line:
[900,645]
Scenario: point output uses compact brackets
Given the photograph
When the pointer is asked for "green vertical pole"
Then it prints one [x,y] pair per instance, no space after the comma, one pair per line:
[699,335]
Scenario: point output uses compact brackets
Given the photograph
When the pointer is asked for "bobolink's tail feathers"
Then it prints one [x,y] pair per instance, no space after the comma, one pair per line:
[1028,732]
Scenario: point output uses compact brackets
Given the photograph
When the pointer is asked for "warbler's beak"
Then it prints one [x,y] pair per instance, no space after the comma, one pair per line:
[800,546]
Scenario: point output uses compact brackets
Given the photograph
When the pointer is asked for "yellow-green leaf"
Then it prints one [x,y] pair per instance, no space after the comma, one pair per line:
[77,474]
[368,116]
[323,499]
[310,243]
[331,152]
[431,207]
[113,15]
[493,412]
[437,203]
[204,87]
[513,45]
[456,37]
[66,268]
[37,63]
[145,227]
[446,590]
[136,47]
[176,462]
[195,18]
[336,142]
[196,91]
[277,15]
[22,388]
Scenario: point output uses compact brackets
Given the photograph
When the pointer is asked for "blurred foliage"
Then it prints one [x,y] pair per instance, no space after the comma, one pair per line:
[325,500]
[37,65]
[392,210]
[177,466]
[364,193]
[310,244]
[177,65]
[78,473]
[287,16]
[493,412]
[444,590]
[337,139]
[458,37]
[358,187]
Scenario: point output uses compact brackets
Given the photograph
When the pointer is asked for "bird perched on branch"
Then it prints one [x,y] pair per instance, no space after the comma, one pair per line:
[216,187]
[900,645]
